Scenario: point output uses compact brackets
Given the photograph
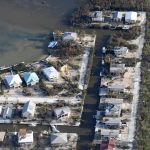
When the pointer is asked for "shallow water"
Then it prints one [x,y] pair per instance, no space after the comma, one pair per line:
[25,24]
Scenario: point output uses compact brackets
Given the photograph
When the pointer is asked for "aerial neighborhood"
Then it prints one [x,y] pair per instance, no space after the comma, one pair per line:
[46,103]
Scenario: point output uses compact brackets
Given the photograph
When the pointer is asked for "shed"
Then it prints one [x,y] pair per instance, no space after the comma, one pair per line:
[51,73]
[28,110]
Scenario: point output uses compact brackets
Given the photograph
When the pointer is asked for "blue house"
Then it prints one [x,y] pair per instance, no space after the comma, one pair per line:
[30,78]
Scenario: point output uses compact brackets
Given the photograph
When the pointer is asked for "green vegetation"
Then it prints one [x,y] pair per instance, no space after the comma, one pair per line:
[143,116]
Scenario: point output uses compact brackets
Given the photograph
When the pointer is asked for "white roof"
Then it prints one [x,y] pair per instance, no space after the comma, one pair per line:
[131,16]
[13,79]
[62,110]
[1,108]
[7,112]
[2,135]
[28,138]
[50,72]
[69,36]
[59,138]
[29,107]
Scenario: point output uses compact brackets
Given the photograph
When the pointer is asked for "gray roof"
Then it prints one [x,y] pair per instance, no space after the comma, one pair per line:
[116,87]
[111,121]
[111,101]
[109,133]
[117,68]
[62,110]
[103,91]
[59,138]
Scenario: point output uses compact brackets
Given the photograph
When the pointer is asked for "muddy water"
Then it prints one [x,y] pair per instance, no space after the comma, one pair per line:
[25,24]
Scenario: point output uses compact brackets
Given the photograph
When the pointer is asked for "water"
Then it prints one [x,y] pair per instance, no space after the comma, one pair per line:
[23,21]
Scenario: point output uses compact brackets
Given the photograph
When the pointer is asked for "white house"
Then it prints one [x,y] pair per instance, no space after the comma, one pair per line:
[25,137]
[130,17]
[13,80]
[69,36]
[28,110]
[58,139]
[97,16]
[7,114]
[62,112]
[51,73]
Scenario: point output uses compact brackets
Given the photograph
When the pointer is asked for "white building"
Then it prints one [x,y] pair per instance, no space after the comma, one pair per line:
[130,17]
[97,16]
[62,112]
[28,110]
[69,36]
[2,136]
[13,80]
[120,51]
[25,137]
[59,139]
[7,114]
[1,110]
[51,73]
